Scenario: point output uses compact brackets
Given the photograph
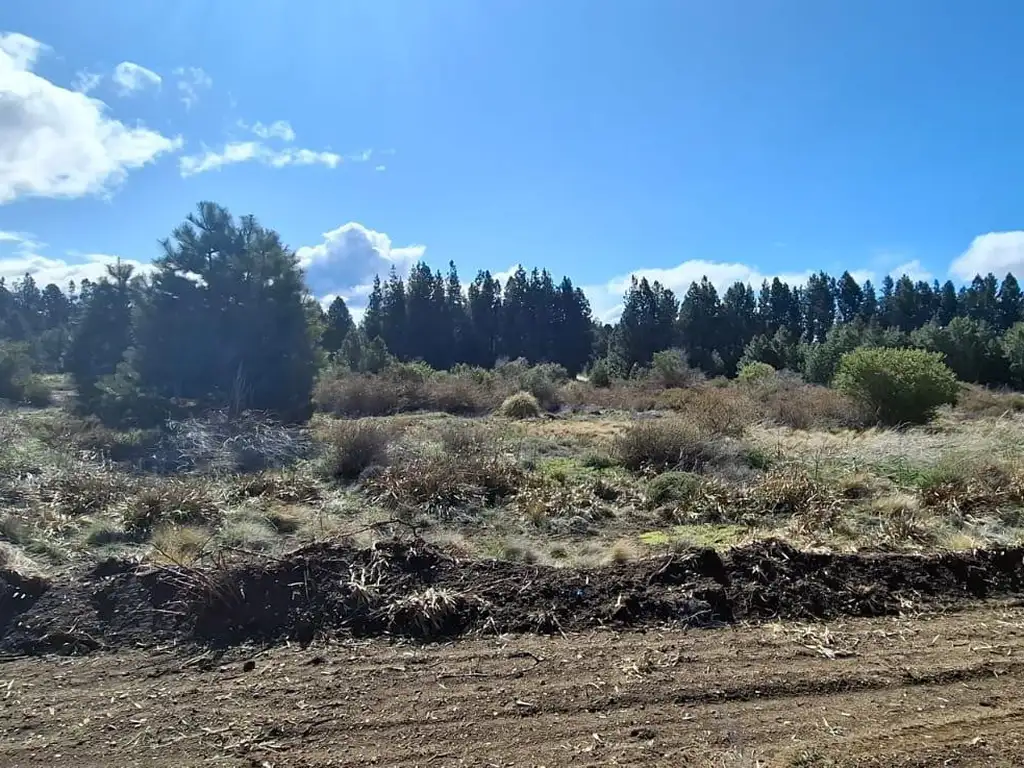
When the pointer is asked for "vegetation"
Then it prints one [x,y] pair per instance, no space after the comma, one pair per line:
[213,403]
[897,385]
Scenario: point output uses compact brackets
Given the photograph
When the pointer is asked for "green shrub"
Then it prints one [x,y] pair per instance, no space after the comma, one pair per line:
[897,386]
[600,374]
[672,487]
[178,501]
[521,405]
[352,447]
[670,369]
[755,371]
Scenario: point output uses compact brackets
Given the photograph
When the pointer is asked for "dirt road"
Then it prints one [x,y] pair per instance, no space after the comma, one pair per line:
[927,690]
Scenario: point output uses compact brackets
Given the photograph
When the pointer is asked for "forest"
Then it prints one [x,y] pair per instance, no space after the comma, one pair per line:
[225,318]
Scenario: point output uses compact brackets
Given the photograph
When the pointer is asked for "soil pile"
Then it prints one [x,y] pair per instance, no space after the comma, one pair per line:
[409,588]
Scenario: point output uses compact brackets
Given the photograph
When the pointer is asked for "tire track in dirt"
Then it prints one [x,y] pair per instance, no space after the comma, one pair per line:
[911,691]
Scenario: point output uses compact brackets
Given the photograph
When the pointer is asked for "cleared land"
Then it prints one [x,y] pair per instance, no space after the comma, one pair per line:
[714,576]
[922,691]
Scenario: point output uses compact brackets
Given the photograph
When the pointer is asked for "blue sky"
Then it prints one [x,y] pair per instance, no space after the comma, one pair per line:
[598,138]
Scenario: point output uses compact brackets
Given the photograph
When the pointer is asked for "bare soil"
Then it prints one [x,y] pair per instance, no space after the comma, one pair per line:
[328,590]
[937,689]
[760,657]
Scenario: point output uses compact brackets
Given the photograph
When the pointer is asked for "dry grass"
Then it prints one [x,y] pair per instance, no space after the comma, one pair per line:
[439,482]
[352,447]
[176,501]
[432,612]
[521,405]
[180,544]
[655,445]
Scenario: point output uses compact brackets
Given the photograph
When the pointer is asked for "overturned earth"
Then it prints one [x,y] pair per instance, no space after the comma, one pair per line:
[406,587]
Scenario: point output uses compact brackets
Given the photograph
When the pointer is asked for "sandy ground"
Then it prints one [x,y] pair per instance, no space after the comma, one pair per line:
[940,689]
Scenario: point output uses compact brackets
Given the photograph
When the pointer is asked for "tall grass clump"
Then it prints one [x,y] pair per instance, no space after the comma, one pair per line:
[521,405]
[352,447]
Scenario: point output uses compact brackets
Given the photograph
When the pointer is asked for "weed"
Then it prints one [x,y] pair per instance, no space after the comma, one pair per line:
[178,501]
[521,405]
[352,447]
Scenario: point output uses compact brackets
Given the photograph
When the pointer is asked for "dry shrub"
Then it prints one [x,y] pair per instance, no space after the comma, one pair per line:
[287,487]
[440,482]
[407,387]
[180,544]
[790,402]
[793,493]
[352,447]
[961,487]
[717,410]
[90,436]
[176,501]
[79,489]
[622,396]
[433,613]
[546,503]
[358,395]
[521,405]
[902,523]
[673,488]
[655,445]
[977,402]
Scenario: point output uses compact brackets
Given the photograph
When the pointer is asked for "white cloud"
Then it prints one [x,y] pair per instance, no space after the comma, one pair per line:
[912,269]
[25,259]
[380,168]
[132,78]
[254,151]
[192,80]
[996,252]
[85,81]
[55,142]
[606,299]
[349,257]
[279,129]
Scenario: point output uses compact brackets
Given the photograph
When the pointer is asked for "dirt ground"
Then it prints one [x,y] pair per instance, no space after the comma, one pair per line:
[939,689]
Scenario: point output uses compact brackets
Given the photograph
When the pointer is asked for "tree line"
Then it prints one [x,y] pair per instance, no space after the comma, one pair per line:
[225,317]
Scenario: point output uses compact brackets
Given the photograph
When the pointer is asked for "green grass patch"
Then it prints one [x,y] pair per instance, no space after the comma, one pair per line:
[714,536]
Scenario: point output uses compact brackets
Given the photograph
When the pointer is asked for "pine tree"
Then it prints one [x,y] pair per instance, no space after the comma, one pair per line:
[849,298]
[103,333]
[225,320]
[1009,303]
[338,325]
[485,317]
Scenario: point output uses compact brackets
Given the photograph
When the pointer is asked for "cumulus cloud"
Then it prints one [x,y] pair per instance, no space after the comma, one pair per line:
[19,256]
[132,78]
[996,252]
[606,298]
[348,259]
[56,142]
[253,151]
[914,270]
[191,81]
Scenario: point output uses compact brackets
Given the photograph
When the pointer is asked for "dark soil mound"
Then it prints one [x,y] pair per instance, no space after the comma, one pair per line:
[409,588]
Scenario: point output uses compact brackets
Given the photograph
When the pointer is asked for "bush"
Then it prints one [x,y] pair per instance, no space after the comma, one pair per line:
[352,447]
[715,410]
[789,401]
[671,369]
[897,386]
[441,482]
[17,381]
[672,487]
[661,444]
[755,372]
[183,501]
[521,405]
[600,374]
